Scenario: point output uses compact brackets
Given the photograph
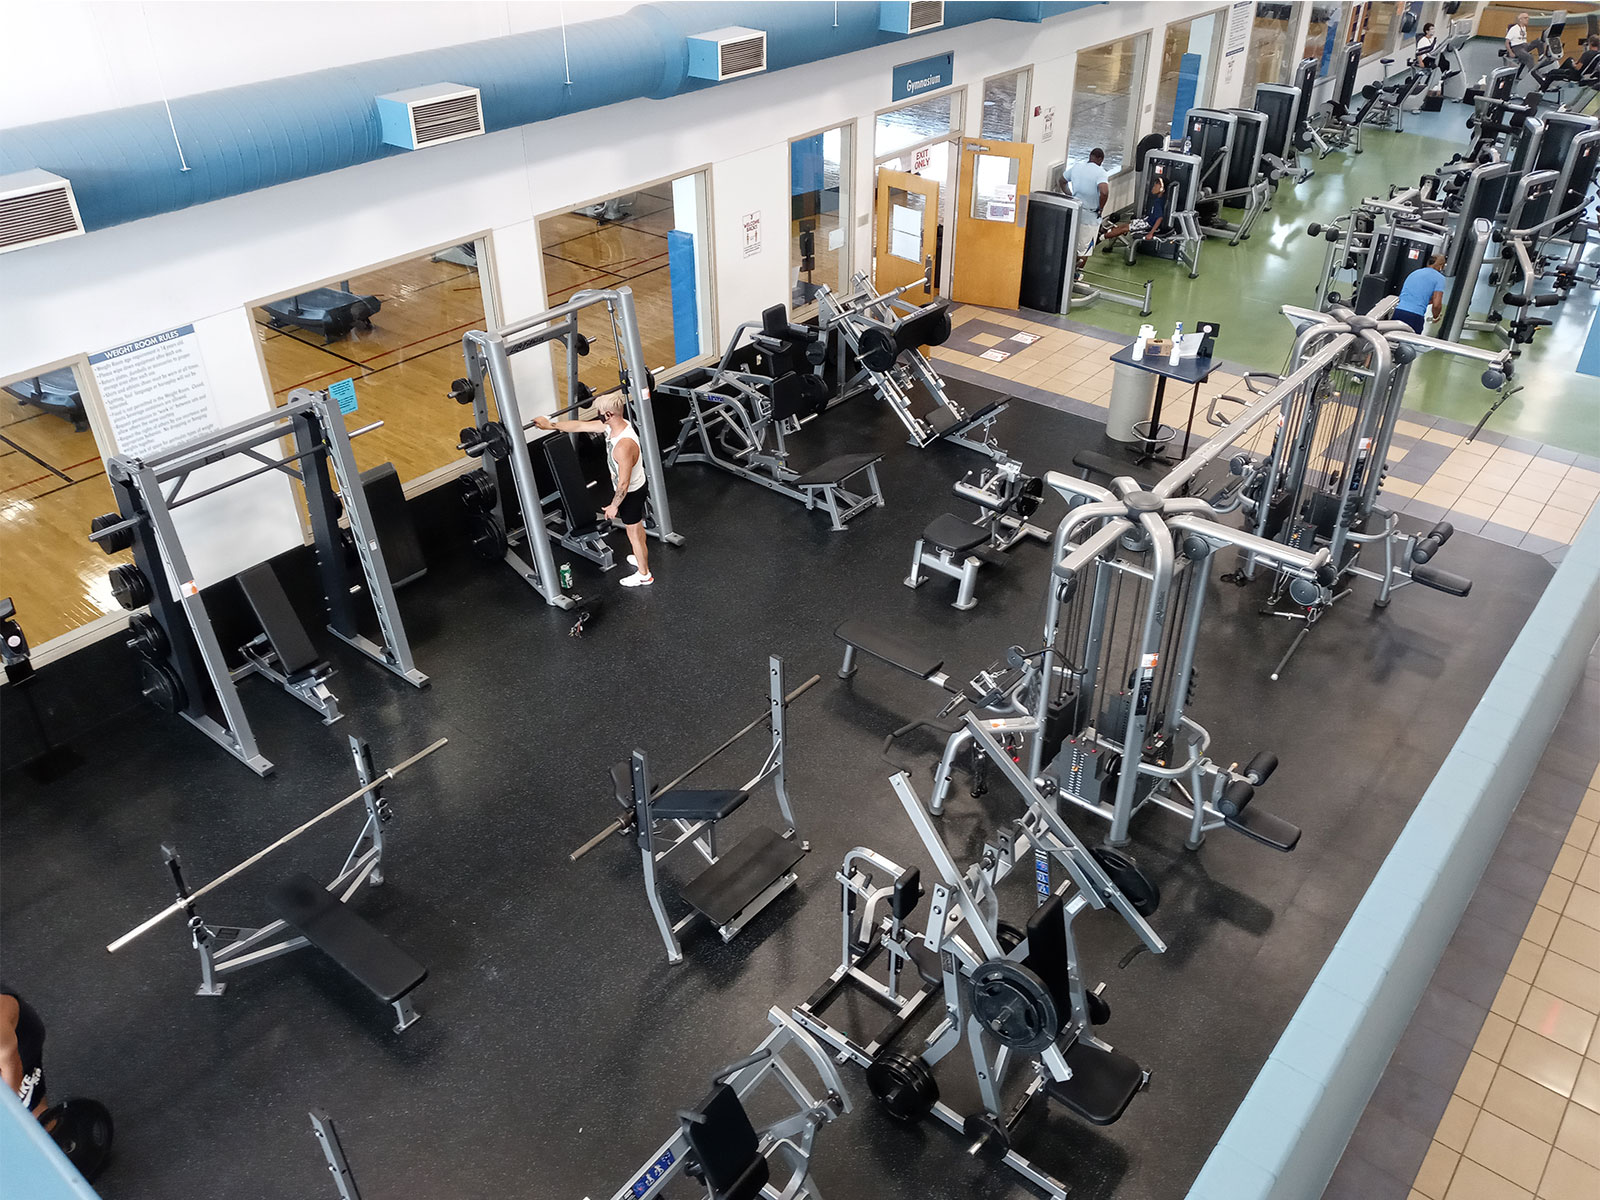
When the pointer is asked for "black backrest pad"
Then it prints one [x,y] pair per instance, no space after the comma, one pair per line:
[789,397]
[622,783]
[397,533]
[278,620]
[928,326]
[1047,950]
[725,1143]
[576,497]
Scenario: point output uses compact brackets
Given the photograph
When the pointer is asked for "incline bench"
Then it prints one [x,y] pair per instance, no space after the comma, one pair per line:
[282,651]
[333,927]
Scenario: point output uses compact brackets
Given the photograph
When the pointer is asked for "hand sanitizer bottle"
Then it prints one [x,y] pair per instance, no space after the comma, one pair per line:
[1177,336]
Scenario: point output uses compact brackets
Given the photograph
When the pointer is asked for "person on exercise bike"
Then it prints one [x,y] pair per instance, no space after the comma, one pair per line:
[1517,48]
[627,476]
[1422,290]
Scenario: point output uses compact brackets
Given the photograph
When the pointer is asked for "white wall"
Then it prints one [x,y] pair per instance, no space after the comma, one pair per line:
[83,294]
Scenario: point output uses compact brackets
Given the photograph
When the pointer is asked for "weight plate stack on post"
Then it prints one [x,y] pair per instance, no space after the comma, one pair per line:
[129,586]
[160,685]
[147,638]
[488,537]
[121,540]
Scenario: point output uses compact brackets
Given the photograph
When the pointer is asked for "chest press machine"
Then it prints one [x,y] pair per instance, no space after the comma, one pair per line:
[309,913]
[1016,998]
[883,335]
[741,412]
[737,882]
[184,669]
[500,435]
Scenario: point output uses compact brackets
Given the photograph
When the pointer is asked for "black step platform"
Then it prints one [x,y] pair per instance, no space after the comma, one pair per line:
[330,925]
[1103,1083]
[837,469]
[725,889]
[893,649]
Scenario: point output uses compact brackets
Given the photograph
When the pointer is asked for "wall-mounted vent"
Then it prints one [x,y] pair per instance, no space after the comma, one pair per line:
[910,16]
[727,53]
[36,207]
[430,115]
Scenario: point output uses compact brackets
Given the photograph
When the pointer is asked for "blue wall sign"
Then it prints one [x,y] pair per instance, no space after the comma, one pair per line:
[925,75]
[345,393]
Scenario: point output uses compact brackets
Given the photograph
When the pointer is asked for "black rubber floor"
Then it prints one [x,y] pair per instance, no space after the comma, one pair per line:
[556,1042]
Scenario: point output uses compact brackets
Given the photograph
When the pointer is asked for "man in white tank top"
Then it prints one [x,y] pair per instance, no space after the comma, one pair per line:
[627,476]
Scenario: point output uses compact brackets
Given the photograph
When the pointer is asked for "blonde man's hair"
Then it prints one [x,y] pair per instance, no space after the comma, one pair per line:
[608,404]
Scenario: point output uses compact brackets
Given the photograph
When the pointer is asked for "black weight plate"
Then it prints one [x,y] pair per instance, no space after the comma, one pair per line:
[903,1084]
[84,1131]
[1009,935]
[120,540]
[477,491]
[146,637]
[1131,881]
[496,440]
[877,349]
[160,685]
[488,538]
[1030,496]
[129,586]
[1015,1005]
[987,1136]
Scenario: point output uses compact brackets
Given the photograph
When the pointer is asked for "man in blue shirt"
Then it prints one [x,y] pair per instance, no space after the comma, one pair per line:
[1088,182]
[1423,289]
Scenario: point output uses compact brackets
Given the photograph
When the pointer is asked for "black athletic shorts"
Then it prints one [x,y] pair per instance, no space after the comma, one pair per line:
[1412,319]
[631,510]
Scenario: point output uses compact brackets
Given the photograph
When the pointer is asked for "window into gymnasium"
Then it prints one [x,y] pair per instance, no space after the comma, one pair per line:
[1325,34]
[394,332]
[820,171]
[1202,37]
[919,139]
[1268,58]
[1005,106]
[1106,94]
[904,128]
[654,240]
[52,484]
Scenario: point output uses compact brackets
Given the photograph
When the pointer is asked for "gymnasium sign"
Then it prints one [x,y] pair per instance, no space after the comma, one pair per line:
[925,75]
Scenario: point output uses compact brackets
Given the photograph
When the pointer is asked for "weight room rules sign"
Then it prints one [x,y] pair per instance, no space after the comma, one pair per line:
[155,391]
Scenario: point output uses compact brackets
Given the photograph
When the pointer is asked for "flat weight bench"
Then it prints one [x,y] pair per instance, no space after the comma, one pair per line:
[282,651]
[825,485]
[900,653]
[330,925]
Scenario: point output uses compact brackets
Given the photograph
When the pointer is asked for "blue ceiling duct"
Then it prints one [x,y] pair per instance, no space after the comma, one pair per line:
[124,165]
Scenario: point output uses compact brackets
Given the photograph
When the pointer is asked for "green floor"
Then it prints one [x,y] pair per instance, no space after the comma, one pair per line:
[1241,288]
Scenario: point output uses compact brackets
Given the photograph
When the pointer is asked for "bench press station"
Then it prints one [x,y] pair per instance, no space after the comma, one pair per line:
[885,335]
[737,883]
[309,914]
[718,1143]
[956,547]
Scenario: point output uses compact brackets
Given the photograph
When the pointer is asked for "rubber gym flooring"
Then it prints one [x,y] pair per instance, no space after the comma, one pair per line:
[556,1043]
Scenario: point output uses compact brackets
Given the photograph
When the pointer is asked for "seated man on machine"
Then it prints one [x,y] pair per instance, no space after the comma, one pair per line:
[627,476]
[1149,225]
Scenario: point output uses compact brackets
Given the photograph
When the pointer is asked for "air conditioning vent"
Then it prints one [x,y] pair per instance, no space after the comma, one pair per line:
[727,53]
[431,115]
[36,207]
[910,16]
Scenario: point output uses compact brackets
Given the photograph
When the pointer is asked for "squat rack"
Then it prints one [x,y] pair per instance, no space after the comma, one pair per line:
[321,460]
[488,356]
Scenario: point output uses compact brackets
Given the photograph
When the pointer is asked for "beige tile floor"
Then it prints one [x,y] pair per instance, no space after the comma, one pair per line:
[1477,481]
[1525,1118]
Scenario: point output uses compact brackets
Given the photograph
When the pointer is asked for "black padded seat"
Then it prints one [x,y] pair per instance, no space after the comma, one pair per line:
[297,657]
[891,648]
[330,925]
[685,804]
[725,1145]
[927,962]
[1103,1083]
[952,533]
[835,469]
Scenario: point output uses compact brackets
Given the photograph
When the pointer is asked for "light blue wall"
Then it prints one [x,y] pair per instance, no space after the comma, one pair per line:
[34,1166]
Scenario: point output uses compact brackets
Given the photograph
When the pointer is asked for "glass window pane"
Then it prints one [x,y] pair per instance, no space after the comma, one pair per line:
[913,123]
[1197,36]
[819,212]
[905,223]
[1379,22]
[994,188]
[1267,61]
[1324,34]
[1005,107]
[1105,101]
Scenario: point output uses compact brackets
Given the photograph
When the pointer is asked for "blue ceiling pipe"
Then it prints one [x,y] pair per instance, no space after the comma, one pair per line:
[124,165]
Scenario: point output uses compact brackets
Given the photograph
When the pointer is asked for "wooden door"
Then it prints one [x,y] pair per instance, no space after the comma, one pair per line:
[990,219]
[907,231]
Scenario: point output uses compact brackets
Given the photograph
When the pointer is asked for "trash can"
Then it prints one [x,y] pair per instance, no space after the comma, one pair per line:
[1133,395]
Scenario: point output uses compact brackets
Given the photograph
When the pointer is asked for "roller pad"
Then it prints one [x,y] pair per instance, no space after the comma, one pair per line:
[1441,581]
[1265,828]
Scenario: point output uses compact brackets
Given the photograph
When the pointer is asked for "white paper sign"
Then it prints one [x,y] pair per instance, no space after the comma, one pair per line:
[995,355]
[155,391]
[1027,339]
[752,233]
[922,159]
[1049,124]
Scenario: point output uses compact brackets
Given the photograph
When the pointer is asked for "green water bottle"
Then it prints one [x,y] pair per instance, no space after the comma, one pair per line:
[565,574]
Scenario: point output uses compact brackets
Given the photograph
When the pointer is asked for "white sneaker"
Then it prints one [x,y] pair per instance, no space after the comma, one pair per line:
[633,560]
[637,580]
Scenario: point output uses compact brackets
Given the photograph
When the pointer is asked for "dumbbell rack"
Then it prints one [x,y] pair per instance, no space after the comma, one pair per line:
[184,664]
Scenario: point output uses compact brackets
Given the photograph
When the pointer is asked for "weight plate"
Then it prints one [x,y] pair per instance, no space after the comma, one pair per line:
[1030,496]
[477,491]
[84,1131]
[488,538]
[877,349]
[496,440]
[903,1084]
[1009,935]
[160,685]
[129,586]
[1015,1005]
[146,637]
[1131,881]
[121,540]
[987,1135]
